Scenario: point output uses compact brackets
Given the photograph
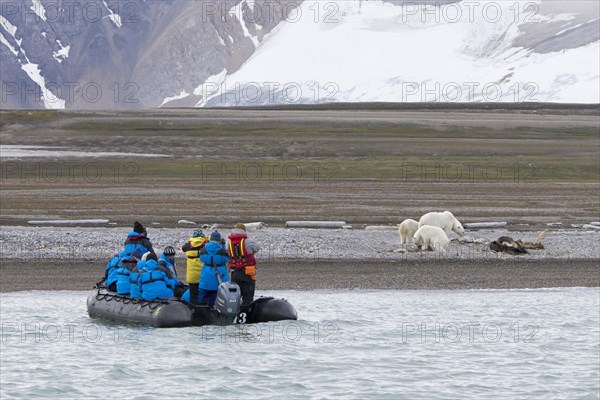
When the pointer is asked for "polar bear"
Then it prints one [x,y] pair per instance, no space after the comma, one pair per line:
[444,220]
[433,236]
[407,230]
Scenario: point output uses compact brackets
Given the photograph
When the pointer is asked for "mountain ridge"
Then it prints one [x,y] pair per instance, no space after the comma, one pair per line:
[141,54]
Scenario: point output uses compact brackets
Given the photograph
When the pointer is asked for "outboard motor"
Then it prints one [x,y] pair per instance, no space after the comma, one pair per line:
[228,299]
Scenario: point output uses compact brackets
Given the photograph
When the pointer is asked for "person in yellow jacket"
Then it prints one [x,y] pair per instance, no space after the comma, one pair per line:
[194,266]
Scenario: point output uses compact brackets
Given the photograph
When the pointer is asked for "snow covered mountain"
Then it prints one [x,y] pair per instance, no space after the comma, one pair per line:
[484,51]
[99,54]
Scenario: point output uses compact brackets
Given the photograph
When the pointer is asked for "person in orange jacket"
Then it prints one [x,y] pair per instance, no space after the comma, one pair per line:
[242,264]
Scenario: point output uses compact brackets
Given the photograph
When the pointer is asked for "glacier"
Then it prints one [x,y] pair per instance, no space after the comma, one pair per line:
[104,54]
[381,51]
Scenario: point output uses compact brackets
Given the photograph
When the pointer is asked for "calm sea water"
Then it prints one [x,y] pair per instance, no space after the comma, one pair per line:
[510,344]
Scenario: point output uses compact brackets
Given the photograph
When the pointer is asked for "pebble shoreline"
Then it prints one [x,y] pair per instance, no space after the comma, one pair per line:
[283,243]
[73,258]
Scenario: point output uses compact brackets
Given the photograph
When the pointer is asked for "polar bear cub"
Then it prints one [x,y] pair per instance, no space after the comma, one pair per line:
[407,230]
[433,236]
[444,220]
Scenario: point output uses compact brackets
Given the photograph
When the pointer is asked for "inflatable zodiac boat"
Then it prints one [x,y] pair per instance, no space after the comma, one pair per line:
[107,305]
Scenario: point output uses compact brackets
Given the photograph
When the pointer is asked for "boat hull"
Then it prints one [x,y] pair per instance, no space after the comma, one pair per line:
[174,313]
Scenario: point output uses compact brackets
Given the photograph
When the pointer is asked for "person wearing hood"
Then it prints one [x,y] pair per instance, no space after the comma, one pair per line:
[133,277]
[167,259]
[242,264]
[138,238]
[215,260]
[110,271]
[155,281]
[124,269]
[192,250]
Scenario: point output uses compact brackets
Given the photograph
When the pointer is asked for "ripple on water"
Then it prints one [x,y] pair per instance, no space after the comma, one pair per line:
[348,344]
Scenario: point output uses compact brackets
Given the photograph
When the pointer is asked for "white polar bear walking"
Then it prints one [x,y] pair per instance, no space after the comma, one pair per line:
[433,236]
[407,230]
[444,220]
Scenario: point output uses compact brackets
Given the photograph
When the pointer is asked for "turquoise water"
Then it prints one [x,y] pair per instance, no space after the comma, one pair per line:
[509,344]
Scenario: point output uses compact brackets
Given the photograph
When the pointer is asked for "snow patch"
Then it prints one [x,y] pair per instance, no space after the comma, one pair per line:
[553,17]
[32,70]
[380,52]
[10,28]
[115,18]
[220,39]
[7,44]
[50,100]
[17,152]
[62,53]
[573,27]
[181,95]
[238,12]
[39,9]
[210,87]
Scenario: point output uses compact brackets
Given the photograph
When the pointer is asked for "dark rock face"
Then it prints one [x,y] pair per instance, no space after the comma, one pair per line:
[95,54]
[128,54]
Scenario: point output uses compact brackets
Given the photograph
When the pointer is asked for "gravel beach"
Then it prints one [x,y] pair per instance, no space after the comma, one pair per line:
[61,258]
[534,166]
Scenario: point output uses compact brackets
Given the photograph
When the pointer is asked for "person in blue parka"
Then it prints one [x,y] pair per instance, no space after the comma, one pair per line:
[110,272]
[167,257]
[138,239]
[133,278]
[124,269]
[214,256]
[155,280]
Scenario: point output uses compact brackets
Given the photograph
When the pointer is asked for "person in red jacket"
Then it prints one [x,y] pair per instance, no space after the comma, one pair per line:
[242,263]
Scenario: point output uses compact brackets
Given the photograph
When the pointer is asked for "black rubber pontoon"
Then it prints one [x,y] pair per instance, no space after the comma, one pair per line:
[107,305]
